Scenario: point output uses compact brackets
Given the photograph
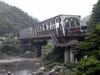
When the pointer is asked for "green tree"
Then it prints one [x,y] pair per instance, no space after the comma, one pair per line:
[48,48]
[90,46]
[13,19]
[10,46]
[88,66]
[95,17]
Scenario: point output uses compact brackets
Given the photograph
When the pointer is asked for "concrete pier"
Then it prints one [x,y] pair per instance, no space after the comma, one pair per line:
[72,58]
[38,50]
[67,56]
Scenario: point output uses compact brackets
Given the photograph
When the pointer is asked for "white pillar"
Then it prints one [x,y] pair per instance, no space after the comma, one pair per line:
[72,59]
[67,56]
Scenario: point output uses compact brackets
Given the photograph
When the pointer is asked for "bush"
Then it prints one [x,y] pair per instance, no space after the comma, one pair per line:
[91,44]
[10,46]
[88,66]
[97,28]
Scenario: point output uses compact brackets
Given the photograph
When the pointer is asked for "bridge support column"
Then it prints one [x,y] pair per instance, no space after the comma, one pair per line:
[38,50]
[72,58]
[67,55]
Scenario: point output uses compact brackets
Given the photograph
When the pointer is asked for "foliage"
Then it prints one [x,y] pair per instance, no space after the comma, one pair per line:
[48,48]
[54,56]
[13,19]
[91,45]
[95,17]
[88,66]
[97,29]
[10,46]
[57,55]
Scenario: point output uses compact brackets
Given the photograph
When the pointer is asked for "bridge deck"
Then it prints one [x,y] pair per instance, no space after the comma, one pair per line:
[67,36]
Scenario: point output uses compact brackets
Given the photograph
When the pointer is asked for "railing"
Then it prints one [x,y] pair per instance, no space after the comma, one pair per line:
[57,43]
[54,39]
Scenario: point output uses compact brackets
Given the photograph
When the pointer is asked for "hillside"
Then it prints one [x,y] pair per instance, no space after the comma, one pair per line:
[13,19]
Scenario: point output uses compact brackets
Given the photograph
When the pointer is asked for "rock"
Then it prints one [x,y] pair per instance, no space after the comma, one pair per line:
[9,73]
[42,68]
[40,71]
[52,72]
[34,73]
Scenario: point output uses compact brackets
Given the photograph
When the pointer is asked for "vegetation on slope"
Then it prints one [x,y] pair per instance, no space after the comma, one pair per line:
[10,46]
[13,19]
[88,51]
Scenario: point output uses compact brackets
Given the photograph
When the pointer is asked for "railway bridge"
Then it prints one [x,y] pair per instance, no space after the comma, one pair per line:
[64,31]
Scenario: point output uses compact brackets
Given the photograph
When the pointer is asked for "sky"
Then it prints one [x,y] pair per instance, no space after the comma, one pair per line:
[44,9]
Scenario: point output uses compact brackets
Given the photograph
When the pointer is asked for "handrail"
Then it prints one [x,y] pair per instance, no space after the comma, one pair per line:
[54,39]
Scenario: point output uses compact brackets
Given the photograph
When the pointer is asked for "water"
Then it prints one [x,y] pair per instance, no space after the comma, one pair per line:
[19,67]
[23,72]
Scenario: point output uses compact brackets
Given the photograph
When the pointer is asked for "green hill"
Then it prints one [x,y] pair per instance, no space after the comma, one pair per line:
[13,19]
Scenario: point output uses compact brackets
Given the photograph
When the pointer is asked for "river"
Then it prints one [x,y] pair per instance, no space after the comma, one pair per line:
[19,66]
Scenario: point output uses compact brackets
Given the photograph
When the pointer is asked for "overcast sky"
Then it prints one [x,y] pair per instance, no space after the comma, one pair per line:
[43,9]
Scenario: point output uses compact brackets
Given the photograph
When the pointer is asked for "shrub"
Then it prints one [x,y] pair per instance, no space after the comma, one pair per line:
[88,66]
